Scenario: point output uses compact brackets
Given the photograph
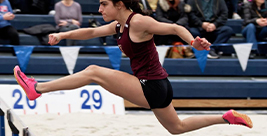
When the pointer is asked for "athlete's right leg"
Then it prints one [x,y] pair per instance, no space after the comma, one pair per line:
[117,82]
[168,118]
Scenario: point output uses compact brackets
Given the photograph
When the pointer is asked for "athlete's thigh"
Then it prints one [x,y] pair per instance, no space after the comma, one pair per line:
[167,117]
[121,84]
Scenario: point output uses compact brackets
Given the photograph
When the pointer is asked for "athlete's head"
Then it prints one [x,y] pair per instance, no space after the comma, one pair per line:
[110,8]
[131,5]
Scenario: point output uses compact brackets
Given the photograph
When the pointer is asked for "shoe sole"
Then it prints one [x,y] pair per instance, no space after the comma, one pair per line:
[18,81]
[212,57]
[245,117]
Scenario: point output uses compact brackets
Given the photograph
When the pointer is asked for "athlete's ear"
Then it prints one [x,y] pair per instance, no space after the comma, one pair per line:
[119,4]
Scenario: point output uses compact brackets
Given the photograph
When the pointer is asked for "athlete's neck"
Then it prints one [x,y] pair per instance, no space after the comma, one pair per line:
[123,16]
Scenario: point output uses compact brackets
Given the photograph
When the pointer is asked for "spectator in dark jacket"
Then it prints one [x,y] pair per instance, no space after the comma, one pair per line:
[255,23]
[207,19]
[171,11]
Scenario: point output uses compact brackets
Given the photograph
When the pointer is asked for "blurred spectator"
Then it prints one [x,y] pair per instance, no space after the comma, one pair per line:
[42,6]
[246,1]
[146,8]
[68,17]
[153,4]
[255,23]
[170,11]
[21,6]
[232,8]
[207,19]
[173,12]
[6,30]
[14,4]
[32,6]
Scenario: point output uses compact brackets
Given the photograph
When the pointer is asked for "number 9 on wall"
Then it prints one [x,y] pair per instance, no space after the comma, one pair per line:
[97,99]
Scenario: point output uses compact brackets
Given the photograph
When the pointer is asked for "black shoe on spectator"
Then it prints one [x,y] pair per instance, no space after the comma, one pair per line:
[212,55]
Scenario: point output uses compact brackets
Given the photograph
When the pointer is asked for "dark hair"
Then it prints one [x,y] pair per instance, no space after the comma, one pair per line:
[131,4]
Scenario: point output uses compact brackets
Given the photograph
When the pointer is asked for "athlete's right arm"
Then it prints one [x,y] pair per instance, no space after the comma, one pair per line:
[83,33]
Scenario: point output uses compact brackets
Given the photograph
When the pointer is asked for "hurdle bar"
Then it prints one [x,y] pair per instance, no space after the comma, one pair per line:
[13,121]
[2,122]
[3,109]
[14,129]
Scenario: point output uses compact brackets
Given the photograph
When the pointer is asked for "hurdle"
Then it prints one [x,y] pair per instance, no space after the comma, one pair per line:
[15,123]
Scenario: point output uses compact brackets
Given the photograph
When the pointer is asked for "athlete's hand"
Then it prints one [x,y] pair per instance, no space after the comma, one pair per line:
[54,38]
[201,44]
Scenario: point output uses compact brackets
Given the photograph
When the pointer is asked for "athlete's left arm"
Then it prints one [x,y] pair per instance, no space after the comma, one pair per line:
[149,25]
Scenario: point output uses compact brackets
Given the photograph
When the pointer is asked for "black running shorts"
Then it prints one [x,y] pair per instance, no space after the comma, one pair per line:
[158,93]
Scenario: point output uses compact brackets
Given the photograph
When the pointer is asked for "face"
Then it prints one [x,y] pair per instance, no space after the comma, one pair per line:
[108,10]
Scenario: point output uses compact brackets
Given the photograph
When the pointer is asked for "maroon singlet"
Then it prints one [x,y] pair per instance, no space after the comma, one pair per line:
[143,56]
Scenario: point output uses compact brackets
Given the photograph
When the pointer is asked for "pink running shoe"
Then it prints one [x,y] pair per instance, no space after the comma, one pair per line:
[233,117]
[28,84]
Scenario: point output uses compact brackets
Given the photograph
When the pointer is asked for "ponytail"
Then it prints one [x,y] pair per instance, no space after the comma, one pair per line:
[133,5]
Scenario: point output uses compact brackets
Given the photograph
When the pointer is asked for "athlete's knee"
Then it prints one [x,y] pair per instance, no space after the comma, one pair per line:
[91,71]
[92,67]
[177,130]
